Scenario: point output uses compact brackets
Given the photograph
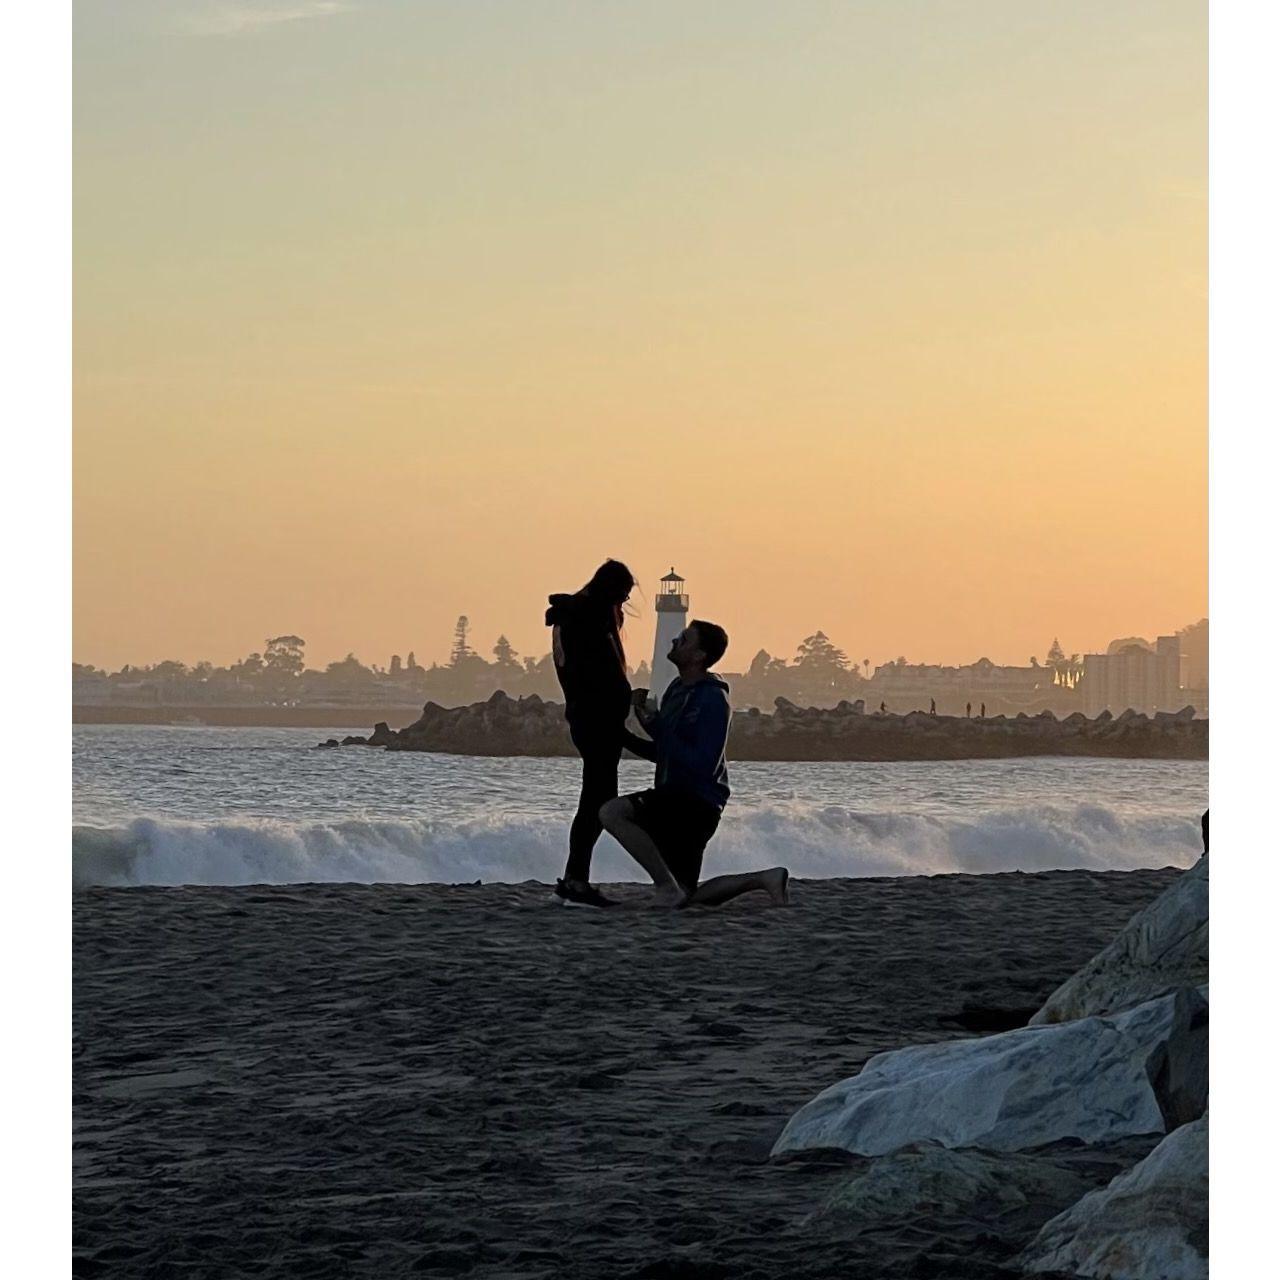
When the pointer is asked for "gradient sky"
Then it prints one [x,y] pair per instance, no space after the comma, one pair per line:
[886,318]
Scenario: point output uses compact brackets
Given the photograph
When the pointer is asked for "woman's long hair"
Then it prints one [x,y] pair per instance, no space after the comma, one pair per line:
[611,583]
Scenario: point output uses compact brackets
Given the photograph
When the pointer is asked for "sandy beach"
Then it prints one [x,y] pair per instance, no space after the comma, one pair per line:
[466,1080]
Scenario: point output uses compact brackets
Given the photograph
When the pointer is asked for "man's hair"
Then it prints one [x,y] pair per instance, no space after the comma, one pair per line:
[712,640]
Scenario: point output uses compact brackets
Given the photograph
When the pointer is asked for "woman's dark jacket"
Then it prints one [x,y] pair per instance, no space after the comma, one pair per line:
[592,672]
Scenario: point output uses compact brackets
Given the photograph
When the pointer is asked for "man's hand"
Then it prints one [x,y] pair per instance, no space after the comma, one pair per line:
[638,699]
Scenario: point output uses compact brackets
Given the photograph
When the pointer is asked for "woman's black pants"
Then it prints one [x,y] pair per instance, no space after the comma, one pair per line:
[601,749]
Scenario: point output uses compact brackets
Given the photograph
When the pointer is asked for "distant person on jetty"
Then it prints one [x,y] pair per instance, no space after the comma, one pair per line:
[666,829]
[586,648]
[933,707]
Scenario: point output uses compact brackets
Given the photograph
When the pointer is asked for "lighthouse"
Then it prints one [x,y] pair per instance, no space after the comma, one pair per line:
[671,604]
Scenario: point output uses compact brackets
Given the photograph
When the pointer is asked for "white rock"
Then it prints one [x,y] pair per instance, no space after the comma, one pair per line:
[1166,945]
[1086,1079]
[1151,1223]
[930,1180]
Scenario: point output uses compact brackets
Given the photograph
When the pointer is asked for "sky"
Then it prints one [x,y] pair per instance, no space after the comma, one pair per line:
[886,319]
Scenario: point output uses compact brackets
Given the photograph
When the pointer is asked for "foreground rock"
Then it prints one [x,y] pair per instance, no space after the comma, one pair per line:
[1151,1223]
[1095,1079]
[503,726]
[1164,946]
[928,1181]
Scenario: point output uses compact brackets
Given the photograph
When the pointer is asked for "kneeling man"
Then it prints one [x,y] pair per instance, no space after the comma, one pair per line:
[667,827]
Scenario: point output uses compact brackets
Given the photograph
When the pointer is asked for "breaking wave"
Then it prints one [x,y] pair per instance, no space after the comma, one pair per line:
[813,842]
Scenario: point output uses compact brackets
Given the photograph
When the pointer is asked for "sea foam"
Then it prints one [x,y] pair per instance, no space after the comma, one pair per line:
[813,841]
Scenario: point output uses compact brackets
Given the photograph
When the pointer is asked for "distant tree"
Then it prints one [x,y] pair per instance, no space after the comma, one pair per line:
[759,664]
[1055,654]
[1129,642]
[411,663]
[866,667]
[395,664]
[819,673]
[643,674]
[349,672]
[816,652]
[504,653]
[169,670]
[1035,662]
[284,655]
[249,668]
[462,650]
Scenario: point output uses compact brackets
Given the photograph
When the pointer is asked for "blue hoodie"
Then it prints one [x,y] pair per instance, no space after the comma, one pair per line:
[690,732]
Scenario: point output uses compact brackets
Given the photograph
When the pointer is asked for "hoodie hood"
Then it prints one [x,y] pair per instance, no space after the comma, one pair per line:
[565,608]
[561,609]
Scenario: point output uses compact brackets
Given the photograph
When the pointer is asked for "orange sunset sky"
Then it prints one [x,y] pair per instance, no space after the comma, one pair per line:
[885,318]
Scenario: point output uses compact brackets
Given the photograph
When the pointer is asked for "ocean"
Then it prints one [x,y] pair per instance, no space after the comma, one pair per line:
[175,805]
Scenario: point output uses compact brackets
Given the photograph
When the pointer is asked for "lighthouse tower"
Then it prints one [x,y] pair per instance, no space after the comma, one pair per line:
[671,604]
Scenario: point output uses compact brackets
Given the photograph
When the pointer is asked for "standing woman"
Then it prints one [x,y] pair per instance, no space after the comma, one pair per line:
[586,646]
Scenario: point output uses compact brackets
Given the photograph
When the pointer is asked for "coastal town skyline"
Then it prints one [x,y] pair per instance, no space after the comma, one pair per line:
[292,656]
[441,649]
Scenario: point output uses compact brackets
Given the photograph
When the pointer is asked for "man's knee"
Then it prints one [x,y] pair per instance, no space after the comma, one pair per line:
[612,811]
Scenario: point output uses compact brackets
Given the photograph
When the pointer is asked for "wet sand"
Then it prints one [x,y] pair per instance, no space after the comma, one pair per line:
[457,1080]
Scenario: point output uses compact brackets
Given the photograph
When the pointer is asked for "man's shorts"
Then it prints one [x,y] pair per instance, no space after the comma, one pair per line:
[680,824]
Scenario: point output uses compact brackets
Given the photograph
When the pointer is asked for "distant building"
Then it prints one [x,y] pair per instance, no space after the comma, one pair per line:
[1133,676]
[1195,659]
[906,686]
[672,608]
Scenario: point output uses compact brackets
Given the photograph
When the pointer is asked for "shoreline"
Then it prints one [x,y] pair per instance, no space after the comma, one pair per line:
[630,896]
[216,717]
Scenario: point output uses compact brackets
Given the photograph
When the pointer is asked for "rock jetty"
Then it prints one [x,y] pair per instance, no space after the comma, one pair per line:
[505,726]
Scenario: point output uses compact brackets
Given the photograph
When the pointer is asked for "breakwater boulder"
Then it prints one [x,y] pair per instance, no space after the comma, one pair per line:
[1094,1080]
[929,1180]
[531,726]
[1150,1223]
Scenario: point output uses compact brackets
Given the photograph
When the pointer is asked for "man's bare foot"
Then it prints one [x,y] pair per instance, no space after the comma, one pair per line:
[669,895]
[776,881]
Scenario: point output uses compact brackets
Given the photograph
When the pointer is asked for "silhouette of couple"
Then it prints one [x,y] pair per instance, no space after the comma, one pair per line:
[665,828]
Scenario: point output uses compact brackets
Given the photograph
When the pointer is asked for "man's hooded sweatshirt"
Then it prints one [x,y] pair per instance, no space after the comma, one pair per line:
[690,733]
[590,665]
